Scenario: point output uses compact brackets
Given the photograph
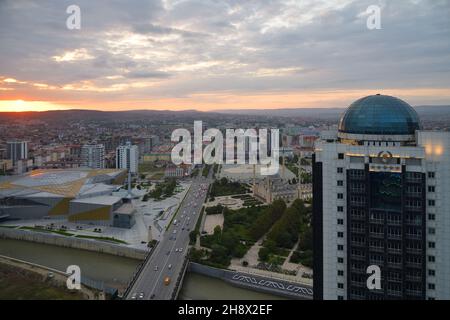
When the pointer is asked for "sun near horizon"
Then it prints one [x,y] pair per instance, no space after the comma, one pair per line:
[230,101]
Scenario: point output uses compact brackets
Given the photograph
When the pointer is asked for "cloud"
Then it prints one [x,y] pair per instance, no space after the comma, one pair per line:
[147,74]
[149,49]
[75,55]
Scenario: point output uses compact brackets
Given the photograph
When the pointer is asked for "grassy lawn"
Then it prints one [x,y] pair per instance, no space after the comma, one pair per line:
[148,168]
[293,225]
[109,239]
[16,284]
[163,190]
[223,187]
[233,241]
[157,175]
[60,232]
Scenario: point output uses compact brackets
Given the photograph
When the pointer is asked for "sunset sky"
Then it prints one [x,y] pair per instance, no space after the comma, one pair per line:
[210,55]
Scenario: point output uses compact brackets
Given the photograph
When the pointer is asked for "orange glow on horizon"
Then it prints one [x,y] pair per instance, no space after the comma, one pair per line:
[20,105]
[226,100]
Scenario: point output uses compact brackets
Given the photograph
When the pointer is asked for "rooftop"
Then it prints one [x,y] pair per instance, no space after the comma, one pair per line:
[67,183]
[100,200]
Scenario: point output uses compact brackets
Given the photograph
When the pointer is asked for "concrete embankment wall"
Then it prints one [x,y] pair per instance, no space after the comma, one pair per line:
[72,242]
[207,271]
[254,282]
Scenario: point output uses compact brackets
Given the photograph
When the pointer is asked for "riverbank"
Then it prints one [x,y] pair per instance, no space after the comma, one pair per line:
[117,271]
[71,242]
[255,282]
[200,287]
[19,281]
[109,270]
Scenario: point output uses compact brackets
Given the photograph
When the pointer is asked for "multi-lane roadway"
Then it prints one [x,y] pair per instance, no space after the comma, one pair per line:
[158,277]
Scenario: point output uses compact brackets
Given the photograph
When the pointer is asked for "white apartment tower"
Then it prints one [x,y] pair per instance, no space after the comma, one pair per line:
[127,157]
[93,156]
[381,190]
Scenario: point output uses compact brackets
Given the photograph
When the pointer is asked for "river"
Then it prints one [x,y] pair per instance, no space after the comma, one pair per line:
[117,271]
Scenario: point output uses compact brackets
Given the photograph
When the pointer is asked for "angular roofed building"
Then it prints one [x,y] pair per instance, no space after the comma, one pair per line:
[78,195]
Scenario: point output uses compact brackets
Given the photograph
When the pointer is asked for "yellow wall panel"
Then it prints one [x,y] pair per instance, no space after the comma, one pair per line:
[102,213]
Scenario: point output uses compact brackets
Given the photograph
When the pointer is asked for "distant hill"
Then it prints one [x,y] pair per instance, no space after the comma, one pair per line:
[294,112]
[425,112]
[440,113]
[95,115]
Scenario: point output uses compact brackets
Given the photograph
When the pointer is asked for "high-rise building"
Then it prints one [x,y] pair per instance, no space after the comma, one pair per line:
[127,157]
[149,142]
[381,198]
[93,156]
[17,150]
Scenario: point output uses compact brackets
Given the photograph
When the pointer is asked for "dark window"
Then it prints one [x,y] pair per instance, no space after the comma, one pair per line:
[340,170]
[340,285]
[340,260]
[340,234]
[431,272]
[340,247]
[340,209]
[431,175]
[340,196]
[431,203]
[431,216]
[431,286]
[431,245]
[431,189]
[340,298]
[340,272]
[340,221]
[340,183]
[340,156]
[431,259]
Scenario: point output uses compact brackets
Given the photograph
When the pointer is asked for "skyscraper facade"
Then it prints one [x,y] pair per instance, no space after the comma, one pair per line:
[17,150]
[93,156]
[127,157]
[381,198]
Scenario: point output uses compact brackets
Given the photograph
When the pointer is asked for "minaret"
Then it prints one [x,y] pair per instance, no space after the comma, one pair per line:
[149,235]
[283,168]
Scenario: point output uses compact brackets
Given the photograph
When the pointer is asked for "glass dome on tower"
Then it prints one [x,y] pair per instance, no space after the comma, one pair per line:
[380,115]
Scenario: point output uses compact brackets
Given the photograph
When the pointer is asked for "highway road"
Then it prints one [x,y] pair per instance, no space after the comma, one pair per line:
[167,259]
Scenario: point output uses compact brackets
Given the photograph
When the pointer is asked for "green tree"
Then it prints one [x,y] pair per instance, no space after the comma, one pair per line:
[265,221]
[193,236]
[306,240]
[219,255]
[263,254]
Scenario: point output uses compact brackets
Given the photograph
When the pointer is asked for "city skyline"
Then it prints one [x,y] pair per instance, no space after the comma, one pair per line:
[208,56]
